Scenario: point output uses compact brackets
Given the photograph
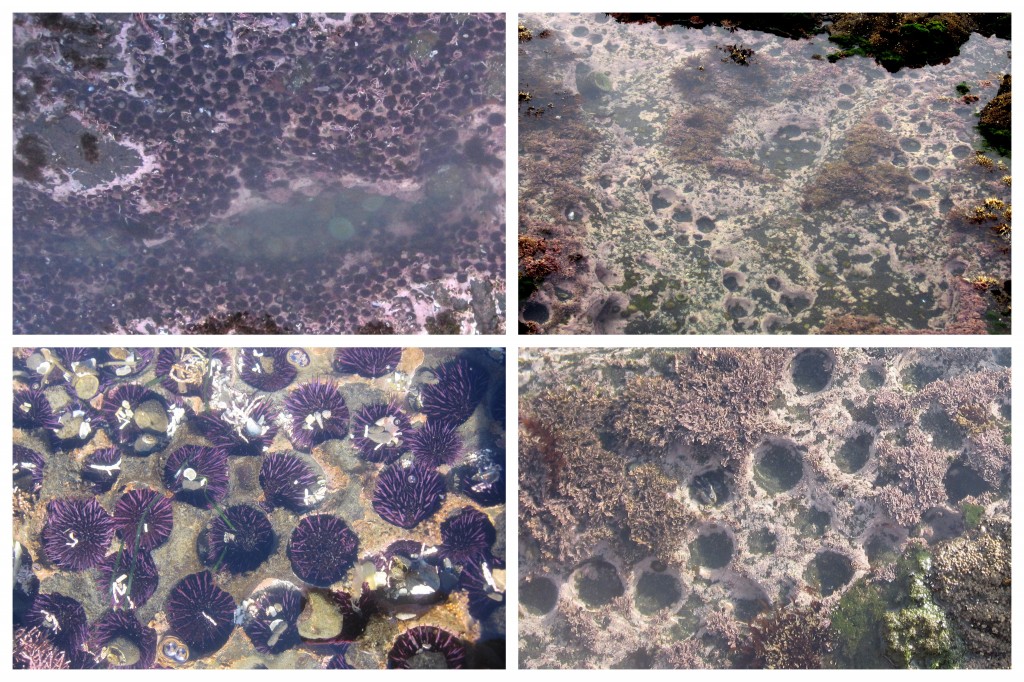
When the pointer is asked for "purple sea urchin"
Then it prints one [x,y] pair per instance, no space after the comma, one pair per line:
[239,539]
[407,493]
[371,363]
[33,651]
[101,468]
[496,405]
[266,369]
[380,431]
[28,470]
[144,517]
[461,385]
[405,548]
[200,613]
[61,618]
[318,414]
[466,537]
[241,431]
[483,592]
[426,646]
[139,419]
[322,549]
[32,410]
[436,443]
[197,475]
[109,633]
[77,533]
[271,615]
[289,482]
[128,578]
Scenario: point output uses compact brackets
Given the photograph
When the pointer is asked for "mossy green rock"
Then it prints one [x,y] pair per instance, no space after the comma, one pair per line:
[920,637]
[856,622]
[994,124]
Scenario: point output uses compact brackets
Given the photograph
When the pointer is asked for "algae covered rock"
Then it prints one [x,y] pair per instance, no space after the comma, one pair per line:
[899,40]
[919,635]
[994,124]
[971,575]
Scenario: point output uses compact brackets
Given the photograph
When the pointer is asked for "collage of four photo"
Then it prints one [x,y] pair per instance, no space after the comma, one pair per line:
[770,426]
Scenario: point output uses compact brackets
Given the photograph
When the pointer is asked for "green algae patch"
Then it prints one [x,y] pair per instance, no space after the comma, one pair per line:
[856,624]
[973,514]
[920,637]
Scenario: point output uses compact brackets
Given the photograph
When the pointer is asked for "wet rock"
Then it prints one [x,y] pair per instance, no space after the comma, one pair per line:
[151,416]
[994,124]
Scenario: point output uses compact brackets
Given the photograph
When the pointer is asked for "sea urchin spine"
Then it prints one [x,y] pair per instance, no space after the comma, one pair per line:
[77,533]
[289,482]
[200,613]
[371,363]
[460,387]
[318,414]
[240,538]
[143,519]
[436,443]
[407,493]
[322,549]
[426,641]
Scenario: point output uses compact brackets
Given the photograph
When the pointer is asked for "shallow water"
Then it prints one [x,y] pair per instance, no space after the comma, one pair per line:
[771,527]
[354,609]
[317,174]
[698,197]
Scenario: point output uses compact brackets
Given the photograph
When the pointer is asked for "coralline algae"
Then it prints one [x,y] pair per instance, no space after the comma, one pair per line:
[679,180]
[694,508]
